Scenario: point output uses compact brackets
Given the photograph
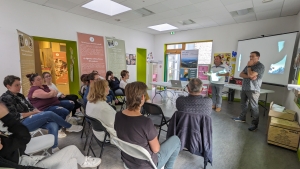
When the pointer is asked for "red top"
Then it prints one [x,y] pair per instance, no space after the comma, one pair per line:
[42,104]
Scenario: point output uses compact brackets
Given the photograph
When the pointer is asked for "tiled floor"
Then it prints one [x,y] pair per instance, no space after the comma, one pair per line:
[234,147]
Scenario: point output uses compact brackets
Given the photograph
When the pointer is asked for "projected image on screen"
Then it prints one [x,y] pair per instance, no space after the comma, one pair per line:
[278,68]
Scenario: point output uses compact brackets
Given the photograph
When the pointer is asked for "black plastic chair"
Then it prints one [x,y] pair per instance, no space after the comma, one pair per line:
[155,113]
[85,123]
[97,126]
[120,93]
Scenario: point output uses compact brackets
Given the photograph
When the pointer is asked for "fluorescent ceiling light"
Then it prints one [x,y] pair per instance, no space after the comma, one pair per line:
[162,27]
[107,7]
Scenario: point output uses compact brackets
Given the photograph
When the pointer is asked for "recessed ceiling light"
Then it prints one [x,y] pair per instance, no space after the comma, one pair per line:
[265,1]
[162,27]
[107,7]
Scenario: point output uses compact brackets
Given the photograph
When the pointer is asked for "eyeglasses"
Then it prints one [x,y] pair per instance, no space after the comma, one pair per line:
[47,76]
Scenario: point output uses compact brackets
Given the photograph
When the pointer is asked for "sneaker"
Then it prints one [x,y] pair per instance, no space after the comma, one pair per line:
[213,107]
[91,162]
[74,128]
[218,109]
[252,127]
[79,113]
[61,134]
[238,119]
[54,150]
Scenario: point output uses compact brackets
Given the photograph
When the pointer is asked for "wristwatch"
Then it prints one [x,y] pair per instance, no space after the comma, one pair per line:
[21,117]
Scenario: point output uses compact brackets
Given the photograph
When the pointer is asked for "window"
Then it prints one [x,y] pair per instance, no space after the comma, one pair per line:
[205,51]
[174,46]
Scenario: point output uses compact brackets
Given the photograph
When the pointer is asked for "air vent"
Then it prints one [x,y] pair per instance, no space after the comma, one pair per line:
[187,22]
[144,12]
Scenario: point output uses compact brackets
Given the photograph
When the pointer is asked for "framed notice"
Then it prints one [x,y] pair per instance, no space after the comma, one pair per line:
[91,54]
[116,55]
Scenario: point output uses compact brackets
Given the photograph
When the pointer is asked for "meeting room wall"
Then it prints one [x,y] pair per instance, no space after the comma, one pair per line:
[37,20]
[225,39]
[289,102]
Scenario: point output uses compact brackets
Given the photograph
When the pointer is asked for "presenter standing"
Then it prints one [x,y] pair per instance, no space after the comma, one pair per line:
[252,80]
[218,72]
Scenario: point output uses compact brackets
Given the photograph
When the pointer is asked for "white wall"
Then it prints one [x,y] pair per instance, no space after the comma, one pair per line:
[37,20]
[289,102]
[225,39]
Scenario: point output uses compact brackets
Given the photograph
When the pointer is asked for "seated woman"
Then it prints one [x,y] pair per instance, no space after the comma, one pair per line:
[84,82]
[91,78]
[98,108]
[140,130]
[45,99]
[32,118]
[124,78]
[48,80]
[12,148]
[113,82]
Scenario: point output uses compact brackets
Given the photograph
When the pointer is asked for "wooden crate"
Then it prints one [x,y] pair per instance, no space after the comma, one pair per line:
[284,133]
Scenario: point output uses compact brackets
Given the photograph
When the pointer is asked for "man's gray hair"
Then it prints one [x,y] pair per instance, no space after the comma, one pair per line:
[195,85]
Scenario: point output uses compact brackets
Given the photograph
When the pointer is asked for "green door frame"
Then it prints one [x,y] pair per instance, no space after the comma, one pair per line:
[141,66]
[75,85]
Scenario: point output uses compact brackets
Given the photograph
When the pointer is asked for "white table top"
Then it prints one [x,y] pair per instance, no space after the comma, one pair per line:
[239,87]
[169,85]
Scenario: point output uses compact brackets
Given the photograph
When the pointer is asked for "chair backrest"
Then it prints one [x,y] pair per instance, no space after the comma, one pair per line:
[152,109]
[82,103]
[133,150]
[96,124]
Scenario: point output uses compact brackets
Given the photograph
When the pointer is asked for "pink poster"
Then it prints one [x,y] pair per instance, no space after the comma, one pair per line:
[91,54]
[201,70]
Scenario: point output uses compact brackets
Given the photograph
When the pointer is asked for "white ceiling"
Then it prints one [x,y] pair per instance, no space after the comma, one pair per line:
[206,13]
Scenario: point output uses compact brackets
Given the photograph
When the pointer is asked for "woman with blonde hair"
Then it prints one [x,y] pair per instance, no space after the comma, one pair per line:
[98,108]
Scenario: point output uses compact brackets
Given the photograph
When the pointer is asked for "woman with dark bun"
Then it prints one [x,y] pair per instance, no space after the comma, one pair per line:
[21,110]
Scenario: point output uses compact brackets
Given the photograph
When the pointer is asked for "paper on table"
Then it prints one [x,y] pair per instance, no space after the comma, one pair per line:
[277,108]
[293,86]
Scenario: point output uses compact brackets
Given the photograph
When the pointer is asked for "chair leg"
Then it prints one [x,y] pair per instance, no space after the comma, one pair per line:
[87,137]
[159,132]
[83,126]
[90,146]
[102,145]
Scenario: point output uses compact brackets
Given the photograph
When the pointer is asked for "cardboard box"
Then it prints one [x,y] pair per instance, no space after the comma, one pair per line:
[286,114]
[284,133]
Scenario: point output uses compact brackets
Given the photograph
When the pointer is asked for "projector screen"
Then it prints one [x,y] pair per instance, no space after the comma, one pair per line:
[276,54]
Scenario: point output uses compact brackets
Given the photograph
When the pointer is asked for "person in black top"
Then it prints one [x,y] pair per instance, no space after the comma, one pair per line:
[140,130]
[113,82]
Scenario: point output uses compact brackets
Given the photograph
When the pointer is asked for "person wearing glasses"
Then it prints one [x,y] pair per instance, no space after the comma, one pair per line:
[12,150]
[29,116]
[45,99]
[48,80]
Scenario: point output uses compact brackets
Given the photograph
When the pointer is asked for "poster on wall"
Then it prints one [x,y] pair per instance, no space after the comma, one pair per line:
[130,59]
[116,55]
[202,69]
[91,53]
[229,61]
[27,59]
[188,64]
[60,67]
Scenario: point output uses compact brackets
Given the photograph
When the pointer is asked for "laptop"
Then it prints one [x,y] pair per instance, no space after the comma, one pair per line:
[176,83]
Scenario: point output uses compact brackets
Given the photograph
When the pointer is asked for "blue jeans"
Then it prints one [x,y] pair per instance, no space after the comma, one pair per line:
[46,120]
[217,94]
[168,152]
[110,97]
[63,109]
